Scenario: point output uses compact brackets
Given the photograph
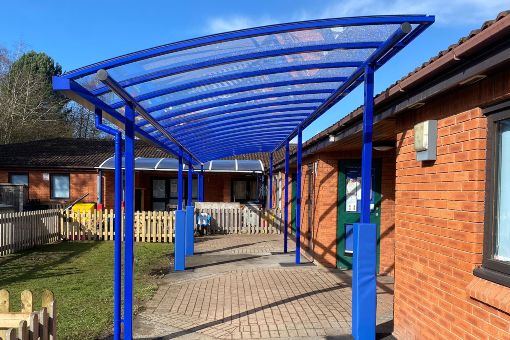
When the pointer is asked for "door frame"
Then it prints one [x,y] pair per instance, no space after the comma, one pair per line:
[344,261]
[293,204]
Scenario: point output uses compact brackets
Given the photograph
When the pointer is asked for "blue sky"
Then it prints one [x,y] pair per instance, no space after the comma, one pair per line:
[78,33]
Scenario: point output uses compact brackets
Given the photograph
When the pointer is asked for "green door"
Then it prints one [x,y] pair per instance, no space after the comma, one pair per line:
[349,190]
[293,203]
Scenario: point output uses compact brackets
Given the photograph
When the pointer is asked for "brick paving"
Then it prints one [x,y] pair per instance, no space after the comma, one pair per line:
[244,287]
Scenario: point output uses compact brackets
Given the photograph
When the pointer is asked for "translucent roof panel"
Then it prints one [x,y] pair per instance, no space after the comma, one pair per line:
[172,164]
[241,91]
[249,165]
[223,165]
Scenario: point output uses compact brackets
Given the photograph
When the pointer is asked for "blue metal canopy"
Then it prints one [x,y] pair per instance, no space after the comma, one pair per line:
[242,91]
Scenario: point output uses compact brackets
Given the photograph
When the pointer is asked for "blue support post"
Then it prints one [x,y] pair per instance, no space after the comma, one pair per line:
[190,216]
[180,225]
[270,181]
[298,196]
[364,298]
[201,188]
[129,221]
[117,246]
[286,197]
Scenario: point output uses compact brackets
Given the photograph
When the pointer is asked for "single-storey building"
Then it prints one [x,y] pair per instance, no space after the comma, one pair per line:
[62,170]
[440,190]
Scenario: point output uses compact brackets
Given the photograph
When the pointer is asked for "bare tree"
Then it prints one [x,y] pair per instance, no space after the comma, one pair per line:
[29,109]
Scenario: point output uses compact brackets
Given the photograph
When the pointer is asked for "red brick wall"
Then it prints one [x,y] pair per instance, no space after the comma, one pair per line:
[439,221]
[217,186]
[325,200]
[81,182]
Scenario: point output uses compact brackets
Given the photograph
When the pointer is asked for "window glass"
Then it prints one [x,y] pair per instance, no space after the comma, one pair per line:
[59,186]
[158,188]
[158,206]
[240,189]
[194,192]
[502,249]
[19,179]
[253,191]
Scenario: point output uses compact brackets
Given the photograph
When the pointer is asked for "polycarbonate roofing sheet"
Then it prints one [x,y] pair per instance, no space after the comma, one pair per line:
[172,164]
[243,91]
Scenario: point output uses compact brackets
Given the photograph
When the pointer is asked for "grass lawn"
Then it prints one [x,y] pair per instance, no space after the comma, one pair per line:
[81,277]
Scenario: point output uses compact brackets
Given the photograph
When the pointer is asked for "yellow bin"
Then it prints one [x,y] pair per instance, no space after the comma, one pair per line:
[84,207]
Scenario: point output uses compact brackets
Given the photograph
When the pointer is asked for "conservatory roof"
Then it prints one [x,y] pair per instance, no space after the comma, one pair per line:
[244,91]
[172,164]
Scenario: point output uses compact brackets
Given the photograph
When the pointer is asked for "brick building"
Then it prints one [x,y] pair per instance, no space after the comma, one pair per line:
[61,170]
[443,224]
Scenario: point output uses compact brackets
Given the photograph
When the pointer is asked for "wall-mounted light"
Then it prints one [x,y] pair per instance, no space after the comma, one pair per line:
[416,105]
[383,145]
[473,79]
[425,140]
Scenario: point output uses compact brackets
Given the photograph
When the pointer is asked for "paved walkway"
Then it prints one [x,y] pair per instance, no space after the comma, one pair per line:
[244,287]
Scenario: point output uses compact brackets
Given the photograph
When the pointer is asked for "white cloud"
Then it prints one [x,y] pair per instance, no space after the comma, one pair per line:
[220,24]
[447,12]
[450,12]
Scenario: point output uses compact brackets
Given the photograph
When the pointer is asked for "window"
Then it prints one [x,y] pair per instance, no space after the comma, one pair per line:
[59,186]
[165,193]
[244,190]
[19,178]
[496,252]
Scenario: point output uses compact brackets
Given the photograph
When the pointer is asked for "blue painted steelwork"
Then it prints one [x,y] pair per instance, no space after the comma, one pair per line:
[230,90]
[270,181]
[81,95]
[179,184]
[286,198]
[129,219]
[364,298]
[202,198]
[190,183]
[223,50]
[241,118]
[180,224]
[366,155]
[195,116]
[364,260]
[298,196]
[190,215]
[248,33]
[242,125]
[117,246]
[191,121]
[355,79]
[241,100]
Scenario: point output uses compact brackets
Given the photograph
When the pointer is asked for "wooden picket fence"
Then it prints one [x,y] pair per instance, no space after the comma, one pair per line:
[243,220]
[27,324]
[24,230]
[150,226]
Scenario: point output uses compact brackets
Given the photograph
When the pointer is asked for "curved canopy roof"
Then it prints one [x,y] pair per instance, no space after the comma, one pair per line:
[243,91]
[172,164]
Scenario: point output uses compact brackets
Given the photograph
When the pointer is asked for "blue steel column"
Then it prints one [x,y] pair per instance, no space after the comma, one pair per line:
[298,196]
[364,298]
[117,248]
[129,221]
[190,215]
[201,184]
[270,181]
[180,225]
[286,197]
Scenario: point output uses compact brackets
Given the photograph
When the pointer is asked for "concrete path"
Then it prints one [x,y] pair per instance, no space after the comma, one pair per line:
[244,287]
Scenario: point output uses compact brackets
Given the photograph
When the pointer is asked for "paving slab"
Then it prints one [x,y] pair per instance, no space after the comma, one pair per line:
[245,287]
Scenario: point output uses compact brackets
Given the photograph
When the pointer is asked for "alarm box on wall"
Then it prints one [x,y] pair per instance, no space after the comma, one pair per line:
[425,140]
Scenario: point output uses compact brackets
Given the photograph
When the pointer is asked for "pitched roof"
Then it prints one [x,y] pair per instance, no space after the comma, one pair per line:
[466,47]
[79,153]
